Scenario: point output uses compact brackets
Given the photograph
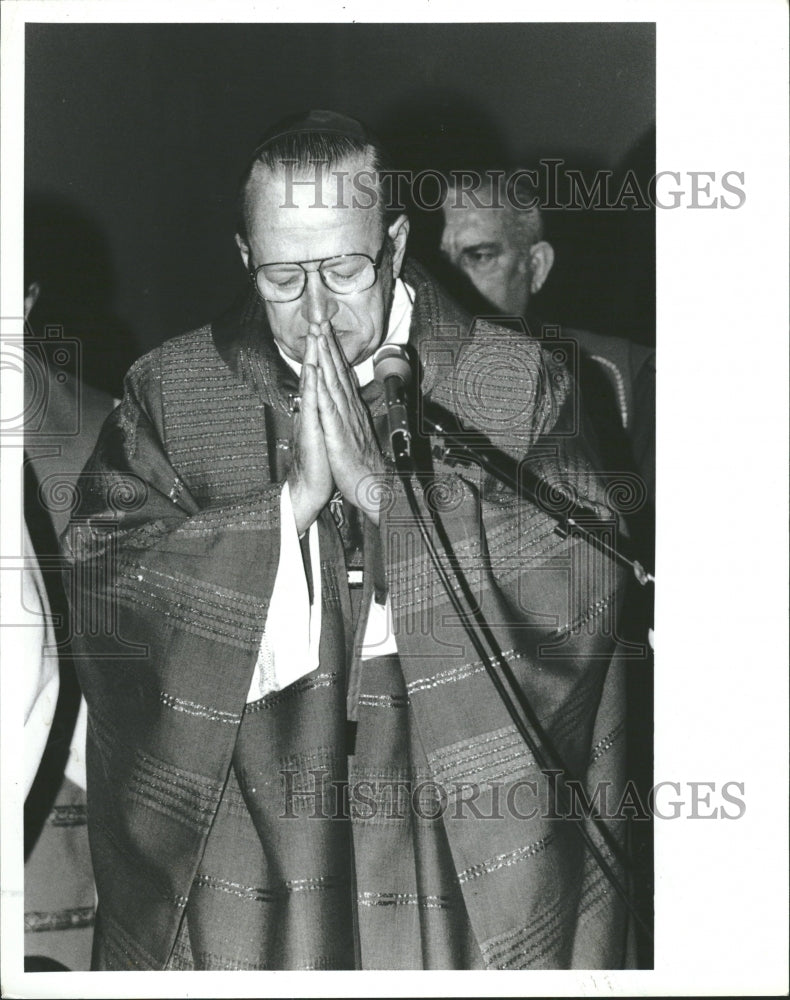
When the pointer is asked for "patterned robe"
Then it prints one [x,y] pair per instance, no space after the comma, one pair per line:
[228,835]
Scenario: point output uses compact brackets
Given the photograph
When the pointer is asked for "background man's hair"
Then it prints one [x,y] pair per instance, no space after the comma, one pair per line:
[320,140]
[516,192]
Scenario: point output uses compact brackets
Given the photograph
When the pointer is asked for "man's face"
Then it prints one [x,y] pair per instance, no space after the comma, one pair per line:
[283,225]
[481,243]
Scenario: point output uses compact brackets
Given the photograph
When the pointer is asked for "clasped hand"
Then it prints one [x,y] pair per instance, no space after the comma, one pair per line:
[334,444]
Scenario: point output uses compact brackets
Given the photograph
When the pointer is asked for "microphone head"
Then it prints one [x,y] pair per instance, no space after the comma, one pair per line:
[390,359]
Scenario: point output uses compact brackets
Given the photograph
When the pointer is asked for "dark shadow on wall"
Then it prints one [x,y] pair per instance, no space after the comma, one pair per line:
[635,302]
[434,132]
[69,256]
[601,224]
[603,277]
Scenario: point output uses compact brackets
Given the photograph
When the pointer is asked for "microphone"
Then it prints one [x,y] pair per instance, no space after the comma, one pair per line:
[392,371]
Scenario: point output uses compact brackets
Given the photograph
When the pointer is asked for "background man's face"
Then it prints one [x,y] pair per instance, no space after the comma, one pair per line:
[284,225]
[480,243]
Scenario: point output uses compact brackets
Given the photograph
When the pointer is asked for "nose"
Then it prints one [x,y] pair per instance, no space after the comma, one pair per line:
[318,304]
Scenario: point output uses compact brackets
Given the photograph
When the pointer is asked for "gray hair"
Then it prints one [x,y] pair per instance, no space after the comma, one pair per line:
[318,139]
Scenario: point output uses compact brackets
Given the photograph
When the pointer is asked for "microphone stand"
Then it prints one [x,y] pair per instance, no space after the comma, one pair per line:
[459,451]
[506,685]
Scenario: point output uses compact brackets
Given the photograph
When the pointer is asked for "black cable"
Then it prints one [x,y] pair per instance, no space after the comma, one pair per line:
[458,449]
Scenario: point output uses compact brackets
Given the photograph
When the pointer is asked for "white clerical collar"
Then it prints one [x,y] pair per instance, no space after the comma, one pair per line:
[397,331]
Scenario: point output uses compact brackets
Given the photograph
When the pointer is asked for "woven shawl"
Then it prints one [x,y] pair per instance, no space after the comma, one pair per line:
[174,548]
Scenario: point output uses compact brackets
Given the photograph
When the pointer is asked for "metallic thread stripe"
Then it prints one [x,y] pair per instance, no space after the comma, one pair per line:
[60,920]
[478,746]
[455,674]
[620,385]
[299,687]
[608,741]
[586,616]
[384,700]
[403,899]
[522,948]
[199,711]
[265,895]
[504,860]
[71,815]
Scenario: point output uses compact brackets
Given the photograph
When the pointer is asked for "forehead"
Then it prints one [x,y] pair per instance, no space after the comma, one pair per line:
[312,213]
[467,226]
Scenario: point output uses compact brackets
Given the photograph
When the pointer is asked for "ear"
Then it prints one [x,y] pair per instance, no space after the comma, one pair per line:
[244,250]
[542,258]
[398,232]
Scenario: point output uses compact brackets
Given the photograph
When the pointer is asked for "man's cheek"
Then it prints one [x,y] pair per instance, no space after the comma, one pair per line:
[491,285]
[367,318]
[281,321]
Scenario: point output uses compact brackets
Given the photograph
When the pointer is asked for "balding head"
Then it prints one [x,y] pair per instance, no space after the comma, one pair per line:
[316,249]
[305,148]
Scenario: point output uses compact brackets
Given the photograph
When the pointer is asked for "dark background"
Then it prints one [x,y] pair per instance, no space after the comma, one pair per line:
[136,134]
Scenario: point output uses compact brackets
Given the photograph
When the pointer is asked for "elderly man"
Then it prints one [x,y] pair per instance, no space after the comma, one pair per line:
[296,757]
[494,236]
[494,240]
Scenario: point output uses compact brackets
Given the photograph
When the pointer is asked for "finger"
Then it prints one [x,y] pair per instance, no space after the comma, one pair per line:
[346,440]
[308,432]
[337,430]
[309,395]
[310,365]
[333,378]
[345,372]
[342,378]
[316,330]
[310,351]
[306,360]
[327,403]
[298,416]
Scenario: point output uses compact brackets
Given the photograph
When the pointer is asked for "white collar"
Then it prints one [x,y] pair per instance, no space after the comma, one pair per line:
[397,331]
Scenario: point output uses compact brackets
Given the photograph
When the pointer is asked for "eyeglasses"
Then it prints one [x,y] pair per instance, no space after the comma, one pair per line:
[343,275]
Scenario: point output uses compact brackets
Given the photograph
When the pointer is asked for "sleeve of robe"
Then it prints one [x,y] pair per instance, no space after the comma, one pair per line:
[169,594]
[169,601]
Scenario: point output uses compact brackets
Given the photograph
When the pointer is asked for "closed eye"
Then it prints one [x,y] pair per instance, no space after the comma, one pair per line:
[283,277]
[481,255]
[346,269]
